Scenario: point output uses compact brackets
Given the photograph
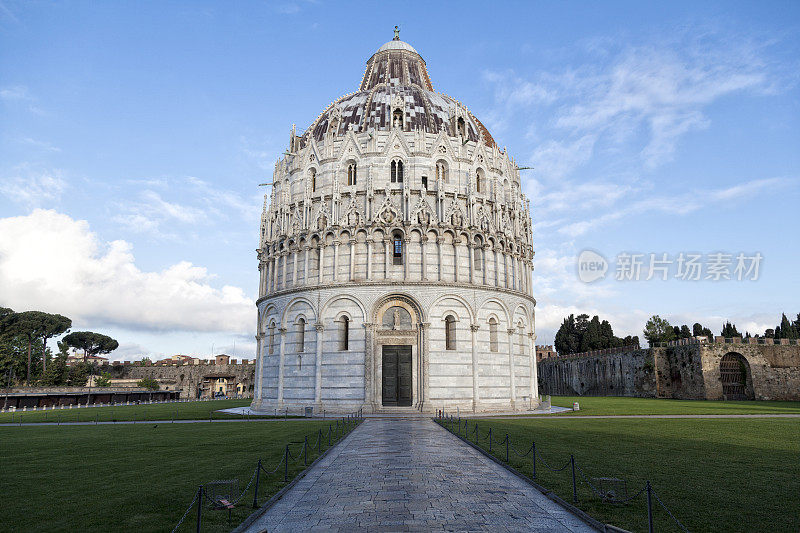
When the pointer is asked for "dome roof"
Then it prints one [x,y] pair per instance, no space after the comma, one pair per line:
[397,75]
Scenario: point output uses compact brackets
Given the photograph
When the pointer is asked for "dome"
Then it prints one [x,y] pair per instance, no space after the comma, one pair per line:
[396,73]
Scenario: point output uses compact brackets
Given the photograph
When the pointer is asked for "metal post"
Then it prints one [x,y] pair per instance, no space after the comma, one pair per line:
[199,507]
[506,447]
[319,441]
[286,464]
[305,452]
[650,528]
[534,460]
[258,475]
[490,440]
[476,433]
[574,487]
[330,430]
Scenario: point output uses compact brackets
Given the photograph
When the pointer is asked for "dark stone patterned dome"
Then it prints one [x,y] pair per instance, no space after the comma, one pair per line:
[396,75]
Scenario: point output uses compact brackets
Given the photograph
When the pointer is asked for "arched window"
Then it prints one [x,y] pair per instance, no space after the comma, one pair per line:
[449,332]
[301,335]
[441,171]
[493,334]
[312,178]
[478,256]
[480,181]
[462,127]
[351,174]
[344,334]
[397,118]
[397,171]
[397,256]
[272,338]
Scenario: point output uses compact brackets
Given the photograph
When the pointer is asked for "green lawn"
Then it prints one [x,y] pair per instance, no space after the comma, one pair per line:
[715,475]
[159,411]
[616,405]
[137,478]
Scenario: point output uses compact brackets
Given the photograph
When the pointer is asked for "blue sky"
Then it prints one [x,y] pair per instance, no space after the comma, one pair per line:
[133,136]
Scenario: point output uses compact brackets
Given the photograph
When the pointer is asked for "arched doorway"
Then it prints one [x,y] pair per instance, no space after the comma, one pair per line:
[397,344]
[734,373]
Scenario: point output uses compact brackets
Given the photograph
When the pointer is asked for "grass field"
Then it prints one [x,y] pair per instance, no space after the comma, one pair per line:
[615,405]
[137,478]
[159,411]
[726,475]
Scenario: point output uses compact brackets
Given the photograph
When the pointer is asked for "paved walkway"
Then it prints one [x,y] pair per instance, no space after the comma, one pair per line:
[412,475]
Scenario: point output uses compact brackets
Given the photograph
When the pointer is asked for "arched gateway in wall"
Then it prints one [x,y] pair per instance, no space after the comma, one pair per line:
[395,257]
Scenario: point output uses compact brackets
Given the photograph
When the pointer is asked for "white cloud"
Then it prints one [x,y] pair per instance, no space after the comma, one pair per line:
[33,188]
[52,262]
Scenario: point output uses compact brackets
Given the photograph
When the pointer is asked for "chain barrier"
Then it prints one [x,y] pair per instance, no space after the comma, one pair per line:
[188,509]
[347,424]
[450,421]
[668,511]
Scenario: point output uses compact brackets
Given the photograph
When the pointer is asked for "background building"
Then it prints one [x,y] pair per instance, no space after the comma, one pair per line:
[395,257]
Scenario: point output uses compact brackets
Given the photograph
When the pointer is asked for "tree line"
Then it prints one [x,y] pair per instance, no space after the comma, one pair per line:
[581,334]
[24,352]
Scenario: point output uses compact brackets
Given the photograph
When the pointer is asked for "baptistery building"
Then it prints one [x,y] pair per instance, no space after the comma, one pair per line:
[395,257]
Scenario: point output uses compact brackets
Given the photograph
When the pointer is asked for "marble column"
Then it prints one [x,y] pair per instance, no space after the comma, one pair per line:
[369,258]
[352,259]
[511,366]
[439,242]
[422,244]
[406,254]
[496,269]
[368,365]
[471,253]
[505,269]
[387,245]
[321,262]
[305,264]
[456,242]
[275,265]
[260,365]
[485,264]
[285,256]
[295,253]
[318,365]
[534,368]
[425,329]
[281,362]
[475,396]
[336,260]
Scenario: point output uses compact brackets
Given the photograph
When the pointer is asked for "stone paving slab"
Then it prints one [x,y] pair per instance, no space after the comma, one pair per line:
[412,475]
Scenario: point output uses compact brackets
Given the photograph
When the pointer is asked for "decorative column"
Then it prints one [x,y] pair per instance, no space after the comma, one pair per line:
[336,259]
[305,264]
[275,265]
[368,366]
[318,365]
[496,269]
[352,259]
[505,267]
[456,242]
[511,367]
[423,241]
[406,245]
[439,242]
[426,350]
[485,264]
[386,246]
[534,368]
[369,258]
[281,361]
[285,255]
[320,266]
[260,365]
[295,253]
[475,396]
[471,253]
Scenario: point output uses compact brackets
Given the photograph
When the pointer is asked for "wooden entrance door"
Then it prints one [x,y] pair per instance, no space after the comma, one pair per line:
[396,375]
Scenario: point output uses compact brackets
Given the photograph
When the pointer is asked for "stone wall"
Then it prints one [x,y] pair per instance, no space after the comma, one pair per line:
[680,370]
[189,378]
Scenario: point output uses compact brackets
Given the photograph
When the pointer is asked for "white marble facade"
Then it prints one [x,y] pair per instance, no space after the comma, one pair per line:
[394,217]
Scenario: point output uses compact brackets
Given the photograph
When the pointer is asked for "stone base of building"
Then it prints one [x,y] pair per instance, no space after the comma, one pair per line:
[347,407]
